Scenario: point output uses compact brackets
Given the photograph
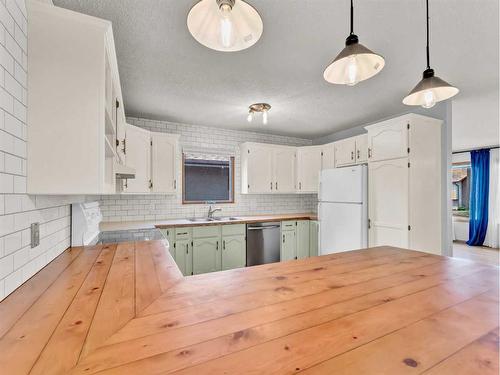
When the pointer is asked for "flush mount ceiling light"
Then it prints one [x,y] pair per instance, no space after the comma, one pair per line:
[354,63]
[259,108]
[225,25]
[430,89]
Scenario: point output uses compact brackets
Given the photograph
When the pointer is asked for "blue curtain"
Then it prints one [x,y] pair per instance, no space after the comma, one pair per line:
[479,190]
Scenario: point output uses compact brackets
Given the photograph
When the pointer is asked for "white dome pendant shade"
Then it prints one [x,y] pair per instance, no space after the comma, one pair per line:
[225,25]
[430,89]
[355,63]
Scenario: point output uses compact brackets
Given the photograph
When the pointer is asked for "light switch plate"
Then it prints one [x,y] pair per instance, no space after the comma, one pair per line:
[35,234]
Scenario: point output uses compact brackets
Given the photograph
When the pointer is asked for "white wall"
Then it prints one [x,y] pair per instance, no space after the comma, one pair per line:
[18,261]
[160,207]
[476,121]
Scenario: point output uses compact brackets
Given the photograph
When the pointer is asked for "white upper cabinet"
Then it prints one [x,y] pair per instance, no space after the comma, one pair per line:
[345,152]
[284,169]
[308,168]
[388,139]
[328,156]
[73,91]
[256,168]
[138,156]
[164,162]
[361,149]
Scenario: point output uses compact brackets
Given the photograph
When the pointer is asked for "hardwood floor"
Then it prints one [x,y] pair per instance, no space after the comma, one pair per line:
[126,309]
[480,254]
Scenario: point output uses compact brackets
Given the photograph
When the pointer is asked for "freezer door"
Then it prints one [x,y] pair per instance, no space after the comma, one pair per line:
[342,227]
[343,184]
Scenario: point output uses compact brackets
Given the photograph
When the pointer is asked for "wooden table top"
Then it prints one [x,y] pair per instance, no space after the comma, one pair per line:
[126,309]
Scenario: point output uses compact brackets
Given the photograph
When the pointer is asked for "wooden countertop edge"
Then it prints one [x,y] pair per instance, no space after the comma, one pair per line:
[175,223]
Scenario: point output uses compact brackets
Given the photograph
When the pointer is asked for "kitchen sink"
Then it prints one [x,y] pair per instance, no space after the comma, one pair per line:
[205,219]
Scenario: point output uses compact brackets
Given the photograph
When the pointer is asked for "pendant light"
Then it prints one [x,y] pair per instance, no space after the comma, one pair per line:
[225,25]
[430,89]
[354,63]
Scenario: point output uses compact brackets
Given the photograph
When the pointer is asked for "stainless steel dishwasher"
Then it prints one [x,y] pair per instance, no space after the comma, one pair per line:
[263,243]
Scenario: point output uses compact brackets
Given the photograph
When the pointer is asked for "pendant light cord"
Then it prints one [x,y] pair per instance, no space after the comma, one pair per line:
[352,18]
[427,47]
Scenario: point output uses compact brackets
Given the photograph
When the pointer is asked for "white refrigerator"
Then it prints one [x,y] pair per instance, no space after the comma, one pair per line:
[343,209]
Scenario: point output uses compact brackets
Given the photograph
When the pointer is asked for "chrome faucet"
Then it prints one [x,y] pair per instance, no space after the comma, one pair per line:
[211,212]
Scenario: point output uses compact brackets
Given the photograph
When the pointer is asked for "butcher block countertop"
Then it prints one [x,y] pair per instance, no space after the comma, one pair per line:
[163,224]
[126,309]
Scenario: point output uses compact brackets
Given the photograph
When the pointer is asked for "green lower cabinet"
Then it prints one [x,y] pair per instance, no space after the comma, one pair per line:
[303,238]
[206,255]
[313,238]
[288,250]
[233,252]
[183,256]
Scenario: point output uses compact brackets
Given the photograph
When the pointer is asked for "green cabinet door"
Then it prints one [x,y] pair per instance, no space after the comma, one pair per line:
[233,252]
[183,256]
[288,245]
[302,239]
[169,234]
[313,238]
[206,255]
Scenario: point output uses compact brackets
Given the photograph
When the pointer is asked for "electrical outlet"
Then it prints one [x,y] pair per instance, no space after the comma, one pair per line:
[35,234]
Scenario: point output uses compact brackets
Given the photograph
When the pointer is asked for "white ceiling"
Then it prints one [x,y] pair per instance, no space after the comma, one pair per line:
[167,75]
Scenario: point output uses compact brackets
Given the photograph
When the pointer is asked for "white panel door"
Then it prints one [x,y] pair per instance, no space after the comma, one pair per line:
[138,157]
[345,152]
[362,149]
[308,168]
[120,137]
[259,169]
[328,156]
[163,162]
[388,203]
[284,170]
[389,141]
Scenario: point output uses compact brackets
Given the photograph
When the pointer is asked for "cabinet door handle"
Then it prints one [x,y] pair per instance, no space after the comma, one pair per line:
[271,185]
[223,244]
[276,186]
[358,153]
[300,185]
[187,248]
[283,238]
[175,184]
[369,152]
[217,246]
[352,155]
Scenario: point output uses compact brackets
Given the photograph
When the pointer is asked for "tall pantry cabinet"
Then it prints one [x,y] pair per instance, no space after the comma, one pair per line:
[404,183]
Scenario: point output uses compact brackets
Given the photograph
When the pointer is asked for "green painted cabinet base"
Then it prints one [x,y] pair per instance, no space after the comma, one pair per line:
[314,238]
[234,249]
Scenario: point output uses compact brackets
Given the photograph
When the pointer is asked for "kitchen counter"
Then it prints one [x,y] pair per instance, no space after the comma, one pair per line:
[126,309]
[163,224]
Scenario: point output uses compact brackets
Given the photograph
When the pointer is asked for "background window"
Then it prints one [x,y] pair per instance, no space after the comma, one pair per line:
[461,175]
[207,179]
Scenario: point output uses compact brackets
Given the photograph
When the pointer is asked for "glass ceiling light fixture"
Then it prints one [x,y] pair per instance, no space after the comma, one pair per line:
[259,108]
[225,25]
[355,63]
[430,89]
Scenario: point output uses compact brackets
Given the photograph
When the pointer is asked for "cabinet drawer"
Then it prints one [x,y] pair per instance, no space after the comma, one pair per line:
[233,229]
[288,225]
[182,233]
[207,231]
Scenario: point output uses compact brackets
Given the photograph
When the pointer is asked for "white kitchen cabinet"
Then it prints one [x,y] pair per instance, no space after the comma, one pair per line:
[308,168]
[361,148]
[328,156]
[138,156]
[388,140]
[256,168]
[73,91]
[345,152]
[267,168]
[164,162]
[405,183]
[284,169]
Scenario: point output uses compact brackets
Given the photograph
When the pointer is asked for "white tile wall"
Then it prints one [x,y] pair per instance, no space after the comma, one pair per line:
[18,261]
[159,207]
